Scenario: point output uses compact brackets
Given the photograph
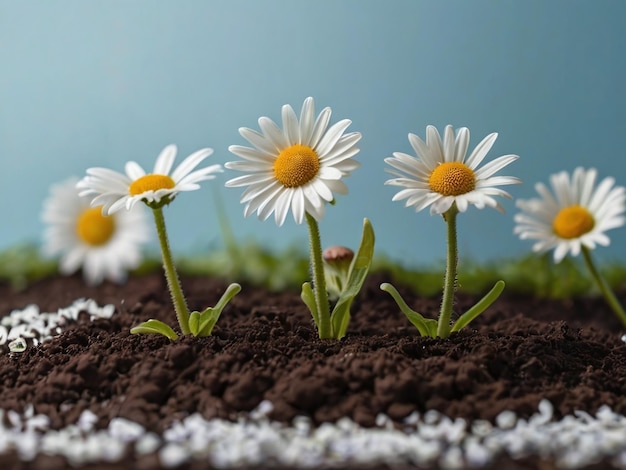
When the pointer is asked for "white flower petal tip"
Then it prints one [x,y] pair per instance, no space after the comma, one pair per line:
[104,247]
[441,175]
[297,168]
[576,213]
[115,191]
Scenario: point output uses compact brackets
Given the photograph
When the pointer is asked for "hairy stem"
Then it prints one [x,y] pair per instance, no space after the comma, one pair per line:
[449,283]
[180,305]
[319,283]
[604,287]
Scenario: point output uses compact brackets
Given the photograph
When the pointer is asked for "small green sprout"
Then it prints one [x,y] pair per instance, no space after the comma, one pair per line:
[445,180]
[114,191]
[298,169]
[346,287]
[573,218]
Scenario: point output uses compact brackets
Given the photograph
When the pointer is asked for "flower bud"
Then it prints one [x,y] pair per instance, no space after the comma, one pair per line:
[337,260]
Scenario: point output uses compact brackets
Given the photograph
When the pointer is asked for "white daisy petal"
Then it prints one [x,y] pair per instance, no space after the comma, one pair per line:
[481,151]
[329,173]
[332,136]
[273,133]
[134,170]
[251,154]
[165,160]
[448,144]
[189,163]
[336,186]
[297,206]
[290,124]
[494,166]
[430,159]
[283,203]
[298,168]
[461,145]
[319,128]
[574,214]
[307,120]
[258,140]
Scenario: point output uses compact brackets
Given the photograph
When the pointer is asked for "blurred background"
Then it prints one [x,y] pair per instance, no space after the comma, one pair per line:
[87,83]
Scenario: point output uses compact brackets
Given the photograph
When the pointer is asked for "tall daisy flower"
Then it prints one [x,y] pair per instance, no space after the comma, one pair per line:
[299,168]
[573,218]
[115,191]
[443,178]
[105,247]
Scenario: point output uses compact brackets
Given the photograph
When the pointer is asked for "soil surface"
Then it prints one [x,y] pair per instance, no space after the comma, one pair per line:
[265,347]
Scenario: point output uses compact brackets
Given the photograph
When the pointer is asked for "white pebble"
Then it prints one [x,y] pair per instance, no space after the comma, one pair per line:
[506,419]
[173,455]
[125,430]
[147,444]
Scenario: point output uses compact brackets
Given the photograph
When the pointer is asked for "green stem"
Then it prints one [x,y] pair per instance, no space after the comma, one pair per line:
[449,283]
[180,305]
[604,287]
[319,283]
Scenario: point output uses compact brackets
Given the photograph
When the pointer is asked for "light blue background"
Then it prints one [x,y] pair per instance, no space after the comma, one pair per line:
[96,83]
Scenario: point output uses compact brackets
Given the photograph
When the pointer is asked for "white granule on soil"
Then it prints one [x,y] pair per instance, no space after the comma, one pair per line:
[31,325]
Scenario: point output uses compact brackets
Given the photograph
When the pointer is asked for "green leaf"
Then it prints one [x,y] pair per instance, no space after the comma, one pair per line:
[308,297]
[206,322]
[194,323]
[482,305]
[425,326]
[359,268]
[154,327]
[207,319]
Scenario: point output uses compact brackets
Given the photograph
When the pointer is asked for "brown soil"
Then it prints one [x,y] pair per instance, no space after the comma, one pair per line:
[266,348]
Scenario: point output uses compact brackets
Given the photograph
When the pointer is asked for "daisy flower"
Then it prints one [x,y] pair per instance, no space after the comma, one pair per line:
[442,178]
[441,175]
[573,218]
[577,215]
[114,191]
[105,247]
[298,167]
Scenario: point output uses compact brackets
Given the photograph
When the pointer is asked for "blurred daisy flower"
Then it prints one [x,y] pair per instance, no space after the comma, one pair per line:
[105,247]
[113,191]
[576,214]
[442,178]
[573,218]
[441,175]
[298,167]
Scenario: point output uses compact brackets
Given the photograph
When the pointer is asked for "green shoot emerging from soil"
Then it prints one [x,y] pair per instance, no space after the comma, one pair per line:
[442,178]
[115,191]
[334,324]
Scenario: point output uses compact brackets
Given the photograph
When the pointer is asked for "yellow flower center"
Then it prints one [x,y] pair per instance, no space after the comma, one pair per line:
[296,165]
[572,222]
[452,179]
[93,228]
[150,183]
